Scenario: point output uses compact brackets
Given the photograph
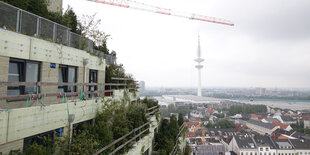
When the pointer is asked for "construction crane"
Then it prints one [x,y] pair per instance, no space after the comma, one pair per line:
[159,10]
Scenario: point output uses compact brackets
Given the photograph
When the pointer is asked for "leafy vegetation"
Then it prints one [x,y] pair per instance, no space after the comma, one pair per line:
[188,150]
[223,124]
[247,109]
[171,109]
[299,127]
[167,136]
[220,115]
[149,102]
[114,121]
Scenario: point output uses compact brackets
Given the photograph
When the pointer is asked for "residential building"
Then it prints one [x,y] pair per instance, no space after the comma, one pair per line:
[261,127]
[210,149]
[285,119]
[265,145]
[243,145]
[284,147]
[301,146]
[192,126]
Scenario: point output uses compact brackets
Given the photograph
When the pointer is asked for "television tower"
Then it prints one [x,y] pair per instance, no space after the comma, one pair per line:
[199,66]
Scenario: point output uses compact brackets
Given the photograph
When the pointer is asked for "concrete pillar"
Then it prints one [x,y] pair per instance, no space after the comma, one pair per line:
[80,78]
[4,70]
[49,74]
[101,79]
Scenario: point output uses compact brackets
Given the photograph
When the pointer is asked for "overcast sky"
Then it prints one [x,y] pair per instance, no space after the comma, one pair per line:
[269,46]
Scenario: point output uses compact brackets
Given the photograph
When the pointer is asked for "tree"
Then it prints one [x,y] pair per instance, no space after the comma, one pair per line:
[223,124]
[180,119]
[173,126]
[70,20]
[150,102]
[89,28]
[188,150]
[171,108]
[114,70]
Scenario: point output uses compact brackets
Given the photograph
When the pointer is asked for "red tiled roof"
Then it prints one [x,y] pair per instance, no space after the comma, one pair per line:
[281,125]
[253,115]
[210,111]
[240,127]
[261,117]
[282,137]
[190,124]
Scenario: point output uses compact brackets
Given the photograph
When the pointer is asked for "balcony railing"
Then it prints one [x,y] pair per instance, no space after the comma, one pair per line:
[20,21]
[39,95]
[176,146]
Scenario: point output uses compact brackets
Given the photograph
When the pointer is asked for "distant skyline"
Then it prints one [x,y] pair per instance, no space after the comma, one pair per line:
[268,46]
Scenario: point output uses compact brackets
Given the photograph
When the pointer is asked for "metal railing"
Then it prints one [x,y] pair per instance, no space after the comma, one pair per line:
[101,91]
[18,20]
[175,148]
[109,59]
[124,83]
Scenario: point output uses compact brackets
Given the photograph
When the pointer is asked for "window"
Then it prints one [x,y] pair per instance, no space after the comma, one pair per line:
[67,74]
[93,78]
[23,71]
[255,153]
[267,149]
[241,153]
[261,149]
[251,153]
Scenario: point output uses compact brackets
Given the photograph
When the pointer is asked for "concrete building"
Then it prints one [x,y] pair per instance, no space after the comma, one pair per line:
[44,88]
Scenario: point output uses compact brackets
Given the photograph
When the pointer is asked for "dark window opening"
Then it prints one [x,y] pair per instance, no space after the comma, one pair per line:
[93,78]
[67,74]
[146,152]
[23,71]
[46,139]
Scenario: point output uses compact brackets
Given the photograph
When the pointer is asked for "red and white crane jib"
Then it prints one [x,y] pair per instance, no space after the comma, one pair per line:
[149,8]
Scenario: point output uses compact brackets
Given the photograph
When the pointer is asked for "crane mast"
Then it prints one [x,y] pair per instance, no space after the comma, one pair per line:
[164,11]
